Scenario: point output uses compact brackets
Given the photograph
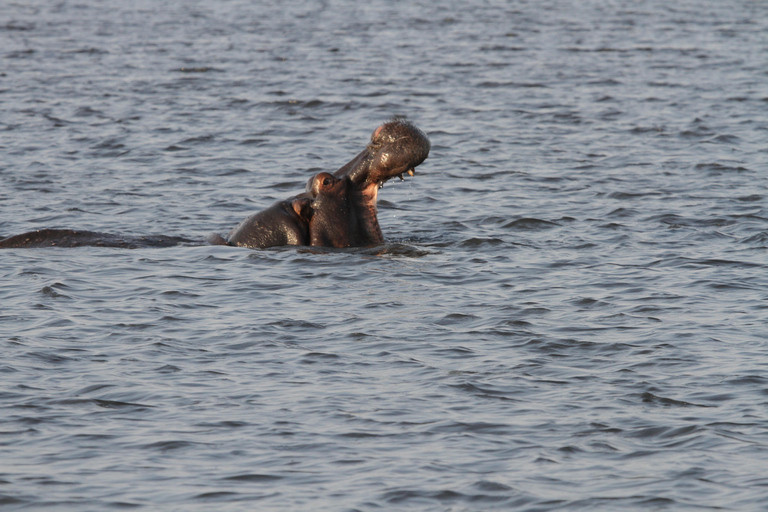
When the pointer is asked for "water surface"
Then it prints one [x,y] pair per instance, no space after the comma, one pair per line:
[569,313]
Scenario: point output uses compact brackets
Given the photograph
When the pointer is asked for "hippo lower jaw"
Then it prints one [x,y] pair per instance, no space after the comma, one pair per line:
[366,210]
[366,204]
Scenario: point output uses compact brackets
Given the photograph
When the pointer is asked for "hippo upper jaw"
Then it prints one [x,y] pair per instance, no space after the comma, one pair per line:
[396,148]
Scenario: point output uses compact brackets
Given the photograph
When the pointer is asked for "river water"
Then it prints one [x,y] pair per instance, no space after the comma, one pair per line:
[570,311]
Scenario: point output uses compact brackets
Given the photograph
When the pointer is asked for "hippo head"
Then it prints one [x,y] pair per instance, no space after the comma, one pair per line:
[396,147]
[344,210]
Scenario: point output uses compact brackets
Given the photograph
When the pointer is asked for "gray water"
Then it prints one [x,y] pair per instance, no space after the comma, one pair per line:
[570,311]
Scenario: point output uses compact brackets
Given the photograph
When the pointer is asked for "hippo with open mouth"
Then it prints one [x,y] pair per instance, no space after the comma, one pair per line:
[336,210]
[339,209]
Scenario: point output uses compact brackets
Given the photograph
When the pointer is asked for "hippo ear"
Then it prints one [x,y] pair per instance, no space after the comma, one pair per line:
[303,208]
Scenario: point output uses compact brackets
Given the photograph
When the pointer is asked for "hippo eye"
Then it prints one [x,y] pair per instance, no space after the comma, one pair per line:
[326,182]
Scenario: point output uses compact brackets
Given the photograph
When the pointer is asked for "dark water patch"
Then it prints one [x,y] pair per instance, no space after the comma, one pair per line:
[168,368]
[487,392]
[664,432]
[535,311]
[749,380]
[456,318]
[725,263]
[57,121]
[88,51]
[529,224]
[640,130]
[18,26]
[648,397]
[727,285]
[631,195]
[698,132]
[751,198]
[457,352]
[20,54]
[523,85]
[198,69]
[673,220]
[404,496]
[227,424]
[759,239]
[216,496]
[726,139]
[11,500]
[50,358]
[514,323]
[623,213]
[480,242]
[253,478]
[255,142]
[295,324]
[490,486]
[502,48]
[203,139]
[718,168]
[477,427]
[124,505]
[51,291]
[586,302]
[318,357]
[92,388]
[168,446]
[115,404]
[88,112]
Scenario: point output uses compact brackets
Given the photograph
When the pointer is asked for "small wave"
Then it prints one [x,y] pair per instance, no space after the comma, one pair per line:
[716,167]
[530,224]
[253,477]
[649,397]
[479,242]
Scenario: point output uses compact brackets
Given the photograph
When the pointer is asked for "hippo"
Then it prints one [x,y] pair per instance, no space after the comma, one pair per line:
[339,209]
[336,209]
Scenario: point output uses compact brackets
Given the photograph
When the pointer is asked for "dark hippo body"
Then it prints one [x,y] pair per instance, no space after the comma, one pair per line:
[76,238]
[336,210]
[284,223]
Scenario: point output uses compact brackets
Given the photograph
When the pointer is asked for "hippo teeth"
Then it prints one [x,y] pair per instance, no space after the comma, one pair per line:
[410,172]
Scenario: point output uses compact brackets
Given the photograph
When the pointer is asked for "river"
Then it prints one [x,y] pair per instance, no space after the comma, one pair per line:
[570,311]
